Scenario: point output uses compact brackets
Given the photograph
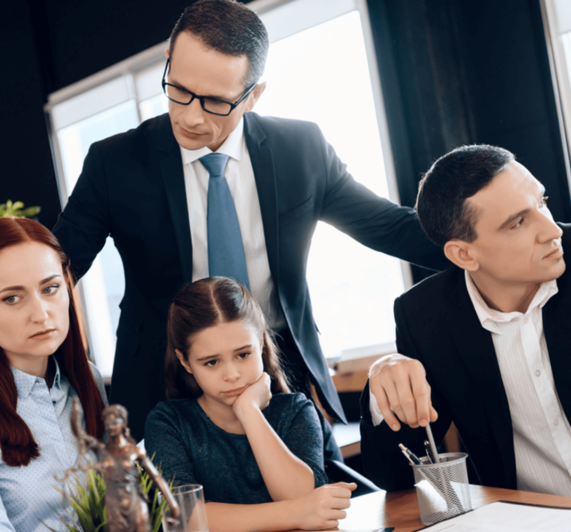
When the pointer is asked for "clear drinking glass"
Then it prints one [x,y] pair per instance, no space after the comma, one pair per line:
[190,499]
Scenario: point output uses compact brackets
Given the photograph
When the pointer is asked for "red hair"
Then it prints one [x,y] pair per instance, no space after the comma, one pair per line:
[16,439]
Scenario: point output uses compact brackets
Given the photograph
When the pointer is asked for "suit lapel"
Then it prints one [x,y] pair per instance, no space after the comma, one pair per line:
[556,315]
[476,350]
[170,163]
[264,174]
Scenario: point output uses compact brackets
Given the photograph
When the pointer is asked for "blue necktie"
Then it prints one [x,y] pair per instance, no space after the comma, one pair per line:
[225,248]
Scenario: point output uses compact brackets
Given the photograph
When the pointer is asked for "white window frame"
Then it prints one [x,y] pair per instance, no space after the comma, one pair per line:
[557,27]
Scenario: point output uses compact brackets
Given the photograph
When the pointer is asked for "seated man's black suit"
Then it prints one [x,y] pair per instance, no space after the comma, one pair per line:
[437,325]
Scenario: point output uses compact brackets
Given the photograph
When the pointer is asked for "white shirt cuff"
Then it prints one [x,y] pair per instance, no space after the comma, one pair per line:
[376,416]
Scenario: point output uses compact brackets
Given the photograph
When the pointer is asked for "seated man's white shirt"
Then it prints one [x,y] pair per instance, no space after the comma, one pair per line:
[542,434]
[241,181]
[376,415]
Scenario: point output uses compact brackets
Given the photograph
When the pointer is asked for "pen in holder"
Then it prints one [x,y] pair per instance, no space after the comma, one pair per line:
[442,488]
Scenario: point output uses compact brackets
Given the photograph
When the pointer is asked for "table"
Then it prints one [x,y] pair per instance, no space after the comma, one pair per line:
[400,509]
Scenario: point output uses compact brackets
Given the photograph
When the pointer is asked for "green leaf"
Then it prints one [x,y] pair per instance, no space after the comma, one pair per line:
[87,498]
[17,209]
[30,212]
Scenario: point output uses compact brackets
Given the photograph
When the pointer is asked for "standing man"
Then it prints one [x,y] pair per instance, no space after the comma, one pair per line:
[213,189]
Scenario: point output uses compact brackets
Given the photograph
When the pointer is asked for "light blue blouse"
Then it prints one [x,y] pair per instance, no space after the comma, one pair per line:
[28,497]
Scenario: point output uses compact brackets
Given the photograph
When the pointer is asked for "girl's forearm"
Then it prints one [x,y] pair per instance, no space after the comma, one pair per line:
[269,517]
[285,475]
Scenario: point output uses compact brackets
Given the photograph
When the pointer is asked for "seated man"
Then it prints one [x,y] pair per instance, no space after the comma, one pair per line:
[487,342]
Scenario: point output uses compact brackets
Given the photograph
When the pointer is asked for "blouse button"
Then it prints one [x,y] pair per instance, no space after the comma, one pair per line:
[538,372]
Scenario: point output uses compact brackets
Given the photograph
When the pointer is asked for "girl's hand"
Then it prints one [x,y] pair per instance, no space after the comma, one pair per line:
[324,507]
[256,395]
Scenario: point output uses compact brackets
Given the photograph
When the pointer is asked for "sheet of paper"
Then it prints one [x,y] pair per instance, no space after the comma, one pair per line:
[505,517]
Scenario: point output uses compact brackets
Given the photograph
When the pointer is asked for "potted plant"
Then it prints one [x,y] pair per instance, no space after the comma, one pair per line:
[17,210]
[87,499]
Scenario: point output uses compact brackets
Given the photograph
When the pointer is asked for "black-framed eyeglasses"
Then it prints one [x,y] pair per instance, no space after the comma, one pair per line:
[211,105]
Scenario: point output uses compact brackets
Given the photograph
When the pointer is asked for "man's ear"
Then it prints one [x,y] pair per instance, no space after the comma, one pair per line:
[461,254]
[255,95]
[167,53]
[182,360]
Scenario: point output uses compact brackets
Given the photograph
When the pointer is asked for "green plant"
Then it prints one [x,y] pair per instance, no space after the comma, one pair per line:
[87,498]
[17,209]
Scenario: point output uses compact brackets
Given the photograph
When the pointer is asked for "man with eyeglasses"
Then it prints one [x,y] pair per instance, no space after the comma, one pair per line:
[213,189]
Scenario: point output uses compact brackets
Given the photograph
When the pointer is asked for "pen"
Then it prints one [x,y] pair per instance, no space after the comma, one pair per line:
[426,448]
[404,451]
[412,458]
[435,457]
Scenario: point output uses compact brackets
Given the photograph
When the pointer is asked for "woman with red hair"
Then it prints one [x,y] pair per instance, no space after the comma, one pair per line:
[43,365]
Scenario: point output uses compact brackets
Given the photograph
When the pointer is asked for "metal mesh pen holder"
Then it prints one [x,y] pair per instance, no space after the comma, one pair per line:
[442,489]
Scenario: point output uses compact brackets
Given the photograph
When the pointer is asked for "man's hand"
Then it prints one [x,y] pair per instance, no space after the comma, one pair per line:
[256,395]
[400,386]
[324,506]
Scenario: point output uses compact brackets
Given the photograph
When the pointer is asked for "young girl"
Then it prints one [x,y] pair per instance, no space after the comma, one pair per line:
[43,365]
[259,456]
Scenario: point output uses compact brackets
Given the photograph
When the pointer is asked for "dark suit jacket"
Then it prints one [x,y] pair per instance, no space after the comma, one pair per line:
[132,188]
[437,324]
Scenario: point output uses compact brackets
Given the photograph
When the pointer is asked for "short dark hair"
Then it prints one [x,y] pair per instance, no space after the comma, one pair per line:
[452,179]
[229,28]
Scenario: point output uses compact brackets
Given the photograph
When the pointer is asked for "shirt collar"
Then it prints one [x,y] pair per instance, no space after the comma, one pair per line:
[25,382]
[490,318]
[232,147]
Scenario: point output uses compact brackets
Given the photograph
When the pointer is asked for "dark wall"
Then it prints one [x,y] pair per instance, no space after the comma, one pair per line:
[468,72]
[52,44]
[453,72]
[27,172]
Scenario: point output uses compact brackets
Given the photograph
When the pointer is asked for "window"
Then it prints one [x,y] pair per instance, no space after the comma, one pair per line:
[557,24]
[319,69]
[312,74]
[108,103]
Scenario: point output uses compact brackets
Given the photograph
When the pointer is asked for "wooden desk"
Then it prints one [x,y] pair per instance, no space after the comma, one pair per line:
[400,509]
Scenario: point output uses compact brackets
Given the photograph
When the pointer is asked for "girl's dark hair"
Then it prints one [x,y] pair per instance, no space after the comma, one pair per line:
[204,304]
[16,439]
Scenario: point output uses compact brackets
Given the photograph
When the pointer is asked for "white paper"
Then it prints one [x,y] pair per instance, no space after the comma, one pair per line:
[504,517]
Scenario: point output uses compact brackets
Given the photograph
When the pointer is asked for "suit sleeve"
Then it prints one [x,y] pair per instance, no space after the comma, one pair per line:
[373,221]
[383,462]
[85,223]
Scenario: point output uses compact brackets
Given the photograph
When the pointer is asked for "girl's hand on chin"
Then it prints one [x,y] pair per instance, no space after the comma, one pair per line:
[256,395]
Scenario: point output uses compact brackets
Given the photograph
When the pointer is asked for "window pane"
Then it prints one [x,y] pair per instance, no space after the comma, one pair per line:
[104,284]
[316,75]
[155,106]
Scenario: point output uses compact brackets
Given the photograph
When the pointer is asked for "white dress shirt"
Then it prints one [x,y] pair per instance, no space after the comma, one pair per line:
[240,176]
[542,434]
[28,495]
